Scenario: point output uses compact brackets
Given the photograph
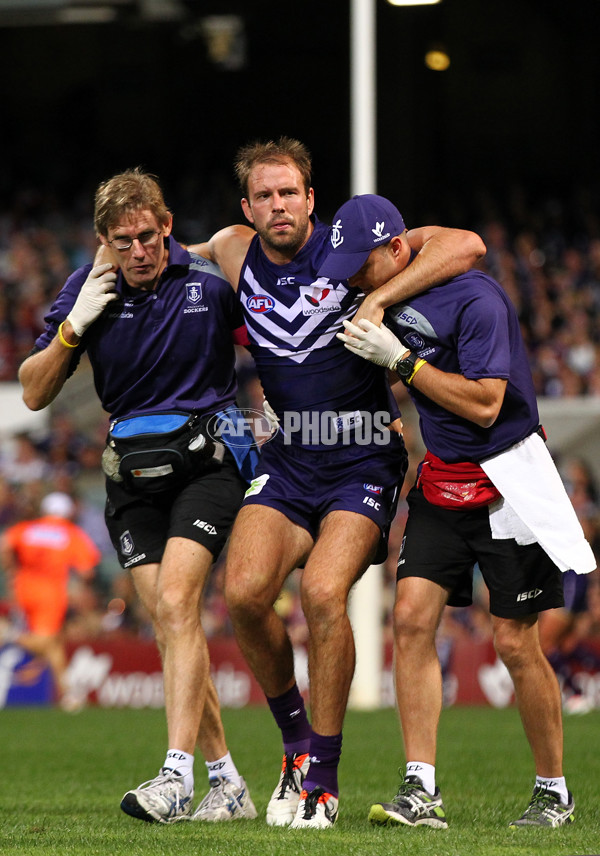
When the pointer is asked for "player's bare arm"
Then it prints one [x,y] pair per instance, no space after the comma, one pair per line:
[477,400]
[442,254]
[43,375]
[228,249]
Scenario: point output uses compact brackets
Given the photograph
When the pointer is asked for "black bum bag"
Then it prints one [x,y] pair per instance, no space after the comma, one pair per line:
[154,452]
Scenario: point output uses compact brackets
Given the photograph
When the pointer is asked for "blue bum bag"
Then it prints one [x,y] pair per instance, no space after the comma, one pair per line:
[154,452]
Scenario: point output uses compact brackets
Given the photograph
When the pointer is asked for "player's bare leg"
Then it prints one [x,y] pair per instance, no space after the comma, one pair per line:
[536,690]
[172,594]
[345,546]
[540,706]
[211,735]
[51,648]
[181,578]
[264,548]
[417,613]
[343,550]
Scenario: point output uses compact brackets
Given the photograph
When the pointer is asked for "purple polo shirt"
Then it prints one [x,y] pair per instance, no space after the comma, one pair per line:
[469,326]
[167,349]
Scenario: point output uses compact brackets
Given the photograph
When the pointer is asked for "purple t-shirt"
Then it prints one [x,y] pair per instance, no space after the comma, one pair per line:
[171,348]
[469,326]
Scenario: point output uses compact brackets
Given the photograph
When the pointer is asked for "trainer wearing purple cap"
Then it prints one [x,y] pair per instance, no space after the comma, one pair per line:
[487,492]
[362,224]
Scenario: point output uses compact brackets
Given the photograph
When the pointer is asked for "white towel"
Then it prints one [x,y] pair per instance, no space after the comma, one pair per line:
[535,505]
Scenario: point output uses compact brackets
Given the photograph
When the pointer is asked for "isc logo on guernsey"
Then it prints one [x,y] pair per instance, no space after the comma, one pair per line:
[260,303]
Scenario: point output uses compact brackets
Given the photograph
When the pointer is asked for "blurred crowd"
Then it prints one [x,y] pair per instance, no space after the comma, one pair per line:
[548,264]
[546,256]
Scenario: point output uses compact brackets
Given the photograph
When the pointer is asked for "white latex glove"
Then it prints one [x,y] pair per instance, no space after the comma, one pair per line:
[270,415]
[96,293]
[373,343]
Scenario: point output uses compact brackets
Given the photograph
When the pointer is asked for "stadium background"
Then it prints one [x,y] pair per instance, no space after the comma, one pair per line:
[504,142]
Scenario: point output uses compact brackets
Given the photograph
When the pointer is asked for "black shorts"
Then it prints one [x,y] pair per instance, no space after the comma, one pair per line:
[443,545]
[203,511]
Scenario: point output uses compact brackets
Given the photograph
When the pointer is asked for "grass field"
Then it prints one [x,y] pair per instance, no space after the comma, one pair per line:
[63,777]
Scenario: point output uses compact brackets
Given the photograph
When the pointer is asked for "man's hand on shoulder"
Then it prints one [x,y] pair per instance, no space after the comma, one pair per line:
[227,248]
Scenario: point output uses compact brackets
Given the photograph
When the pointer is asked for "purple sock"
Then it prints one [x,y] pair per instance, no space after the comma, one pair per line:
[290,715]
[324,760]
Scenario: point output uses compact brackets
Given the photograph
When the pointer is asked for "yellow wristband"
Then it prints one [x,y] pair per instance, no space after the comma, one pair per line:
[418,365]
[64,342]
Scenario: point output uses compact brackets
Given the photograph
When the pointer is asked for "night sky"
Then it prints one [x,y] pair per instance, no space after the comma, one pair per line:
[517,109]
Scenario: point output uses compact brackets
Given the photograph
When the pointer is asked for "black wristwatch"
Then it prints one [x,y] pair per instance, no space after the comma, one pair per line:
[406,366]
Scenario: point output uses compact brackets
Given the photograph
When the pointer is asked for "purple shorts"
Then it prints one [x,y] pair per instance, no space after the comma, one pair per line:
[575,587]
[306,484]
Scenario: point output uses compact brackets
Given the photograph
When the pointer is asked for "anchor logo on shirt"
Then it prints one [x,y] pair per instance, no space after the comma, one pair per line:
[127,544]
[336,235]
[194,291]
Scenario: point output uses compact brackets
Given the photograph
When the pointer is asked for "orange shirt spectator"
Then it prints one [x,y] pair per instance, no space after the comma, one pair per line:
[44,552]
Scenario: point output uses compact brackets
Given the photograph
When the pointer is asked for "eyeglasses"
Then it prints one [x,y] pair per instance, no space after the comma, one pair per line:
[146,239]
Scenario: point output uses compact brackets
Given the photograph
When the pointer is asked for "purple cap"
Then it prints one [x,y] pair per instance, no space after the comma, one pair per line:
[362,224]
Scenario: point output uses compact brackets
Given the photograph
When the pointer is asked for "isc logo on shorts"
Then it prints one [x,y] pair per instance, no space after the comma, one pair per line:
[208,527]
[528,595]
[368,500]
[260,303]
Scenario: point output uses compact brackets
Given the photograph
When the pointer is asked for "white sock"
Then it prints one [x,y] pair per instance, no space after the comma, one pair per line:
[558,785]
[425,772]
[184,764]
[224,767]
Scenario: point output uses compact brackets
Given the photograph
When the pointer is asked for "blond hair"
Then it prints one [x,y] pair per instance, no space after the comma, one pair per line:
[129,191]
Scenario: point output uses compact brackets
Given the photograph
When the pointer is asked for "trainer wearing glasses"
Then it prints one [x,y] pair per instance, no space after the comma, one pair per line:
[487,492]
[159,334]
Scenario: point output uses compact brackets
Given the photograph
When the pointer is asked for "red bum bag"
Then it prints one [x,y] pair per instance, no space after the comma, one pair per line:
[460,486]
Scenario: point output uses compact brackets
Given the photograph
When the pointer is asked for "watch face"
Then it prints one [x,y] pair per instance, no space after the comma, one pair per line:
[405,367]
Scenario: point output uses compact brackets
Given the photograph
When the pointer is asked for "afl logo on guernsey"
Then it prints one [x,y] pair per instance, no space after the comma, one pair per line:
[260,303]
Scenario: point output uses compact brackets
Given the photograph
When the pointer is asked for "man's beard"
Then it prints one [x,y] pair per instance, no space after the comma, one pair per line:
[288,243]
